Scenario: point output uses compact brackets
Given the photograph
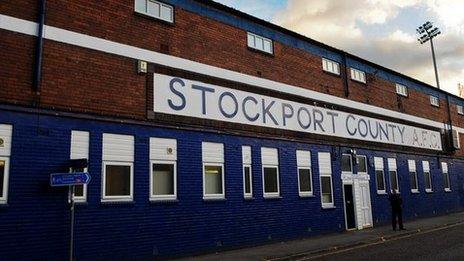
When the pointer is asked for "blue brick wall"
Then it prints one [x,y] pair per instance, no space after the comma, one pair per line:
[35,223]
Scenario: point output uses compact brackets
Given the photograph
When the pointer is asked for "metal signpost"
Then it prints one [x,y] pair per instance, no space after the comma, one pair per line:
[71,180]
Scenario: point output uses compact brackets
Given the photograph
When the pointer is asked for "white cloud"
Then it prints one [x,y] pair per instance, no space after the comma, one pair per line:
[349,24]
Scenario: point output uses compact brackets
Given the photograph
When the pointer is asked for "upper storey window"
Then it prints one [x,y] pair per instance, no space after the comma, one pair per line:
[401,90]
[358,75]
[156,9]
[260,43]
[330,66]
[460,109]
[434,101]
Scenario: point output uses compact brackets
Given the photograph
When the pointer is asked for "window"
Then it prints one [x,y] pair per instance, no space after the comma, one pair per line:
[155,9]
[330,66]
[427,176]
[118,167]
[325,173]
[460,109]
[163,170]
[347,163]
[393,175]
[358,75]
[379,175]
[5,153]
[434,101]
[260,43]
[213,170]
[362,164]
[446,177]
[305,186]
[247,176]
[401,90]
[79,150]
[270,162]
[413,176]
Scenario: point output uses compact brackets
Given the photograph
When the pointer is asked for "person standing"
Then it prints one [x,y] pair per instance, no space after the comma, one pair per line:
[397,212]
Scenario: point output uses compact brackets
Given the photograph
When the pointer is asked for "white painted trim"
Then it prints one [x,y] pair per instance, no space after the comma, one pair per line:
[99,44]
[271,194]
[4,197]
[214,196]
[305,193]
[167,196]
[247,195]
[331,204]
[121,198]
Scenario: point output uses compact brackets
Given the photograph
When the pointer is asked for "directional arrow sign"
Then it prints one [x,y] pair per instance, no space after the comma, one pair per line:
[69,179]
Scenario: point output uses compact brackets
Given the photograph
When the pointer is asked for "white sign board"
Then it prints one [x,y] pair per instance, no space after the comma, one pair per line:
[173,95]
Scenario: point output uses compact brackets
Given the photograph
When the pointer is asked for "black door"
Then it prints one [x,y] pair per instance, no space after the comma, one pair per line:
[349,207]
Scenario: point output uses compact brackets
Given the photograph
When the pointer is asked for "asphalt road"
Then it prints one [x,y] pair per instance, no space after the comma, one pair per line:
[443,244]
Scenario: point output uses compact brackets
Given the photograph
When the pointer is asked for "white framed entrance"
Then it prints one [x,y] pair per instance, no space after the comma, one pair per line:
[356,194]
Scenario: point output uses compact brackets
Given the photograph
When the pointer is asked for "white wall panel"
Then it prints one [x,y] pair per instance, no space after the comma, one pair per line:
[391,164]
[412,165]
[118,147]
[325,163]
[378,163]
[213,152]
[426,166]
[163,149]
[79,145]
[6,132]
[269,156]
[246,154]
[303,158]
[444,167]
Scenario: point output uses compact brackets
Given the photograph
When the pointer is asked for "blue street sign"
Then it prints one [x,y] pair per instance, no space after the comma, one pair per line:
[69,179]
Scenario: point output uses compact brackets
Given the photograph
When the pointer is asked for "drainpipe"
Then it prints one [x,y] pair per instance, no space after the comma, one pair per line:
[39,51]
[345,75]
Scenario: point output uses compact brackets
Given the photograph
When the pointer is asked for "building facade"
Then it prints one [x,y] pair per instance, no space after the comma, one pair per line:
[204,129]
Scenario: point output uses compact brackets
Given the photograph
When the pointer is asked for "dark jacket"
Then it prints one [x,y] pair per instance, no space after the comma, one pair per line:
[395,201]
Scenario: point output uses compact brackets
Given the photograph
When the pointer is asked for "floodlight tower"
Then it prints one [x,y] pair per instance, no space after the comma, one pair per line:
[427,32]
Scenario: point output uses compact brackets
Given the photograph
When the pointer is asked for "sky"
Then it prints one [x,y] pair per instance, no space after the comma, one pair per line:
[381,31]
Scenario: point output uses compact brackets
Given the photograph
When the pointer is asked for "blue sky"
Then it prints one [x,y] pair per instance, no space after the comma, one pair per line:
[382,31]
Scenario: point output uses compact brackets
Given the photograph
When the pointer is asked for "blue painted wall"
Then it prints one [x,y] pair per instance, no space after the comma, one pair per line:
[35,223]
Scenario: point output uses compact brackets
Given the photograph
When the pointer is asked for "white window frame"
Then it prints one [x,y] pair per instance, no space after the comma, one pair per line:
[4,197]
[412,168]
[162,4]
[328,175]
[163,197]
[130,197]
[76,152]
[358,75]
[263,39]
[445,171]
[330,66]
[246,163]
[302,166]
[365,164]
[208,147]
[395,169]
[426,169]
[351,164]
[250,194]
[460,109]
[380,167]
[271,194]
[402,90]
[214,196]
[434,101]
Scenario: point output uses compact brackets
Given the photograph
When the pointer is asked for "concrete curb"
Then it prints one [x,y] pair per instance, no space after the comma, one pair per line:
[362,243]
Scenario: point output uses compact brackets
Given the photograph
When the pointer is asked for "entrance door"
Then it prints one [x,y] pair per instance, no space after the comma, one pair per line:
[366,211]
[349,207]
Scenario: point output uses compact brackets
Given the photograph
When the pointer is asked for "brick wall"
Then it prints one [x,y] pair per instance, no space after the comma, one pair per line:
[82,80]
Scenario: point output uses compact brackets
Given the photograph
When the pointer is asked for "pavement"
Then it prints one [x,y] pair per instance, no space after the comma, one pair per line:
[324,245]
